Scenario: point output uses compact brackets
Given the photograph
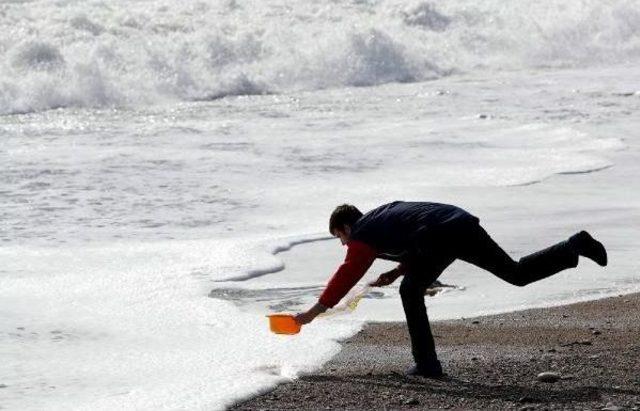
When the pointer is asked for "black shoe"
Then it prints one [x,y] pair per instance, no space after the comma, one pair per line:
[587,246]
[432,370]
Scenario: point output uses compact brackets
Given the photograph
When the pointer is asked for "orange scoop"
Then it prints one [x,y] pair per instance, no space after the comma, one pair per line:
[283,324]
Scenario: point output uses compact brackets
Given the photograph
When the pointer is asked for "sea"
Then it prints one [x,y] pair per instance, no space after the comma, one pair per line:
[168,168]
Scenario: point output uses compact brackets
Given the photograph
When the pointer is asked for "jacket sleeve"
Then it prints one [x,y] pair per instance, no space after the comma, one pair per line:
[359,258]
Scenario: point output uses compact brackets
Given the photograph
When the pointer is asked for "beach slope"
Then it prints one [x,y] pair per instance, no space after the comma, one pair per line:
[491,362]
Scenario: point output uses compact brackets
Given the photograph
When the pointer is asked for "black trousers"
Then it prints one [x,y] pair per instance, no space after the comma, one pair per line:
[471,243]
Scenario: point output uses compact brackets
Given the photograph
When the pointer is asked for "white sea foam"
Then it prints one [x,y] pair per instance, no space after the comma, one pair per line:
[100,54]
[129,327]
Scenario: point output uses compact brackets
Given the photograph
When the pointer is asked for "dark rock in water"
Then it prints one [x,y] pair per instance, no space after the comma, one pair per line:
[625,94]
[374,295]
[548,376]
[475,322]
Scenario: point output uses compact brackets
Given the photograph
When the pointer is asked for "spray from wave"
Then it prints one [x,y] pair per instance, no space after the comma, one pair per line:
[92,54]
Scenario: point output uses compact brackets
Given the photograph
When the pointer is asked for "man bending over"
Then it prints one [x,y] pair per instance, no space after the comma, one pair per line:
[425,238]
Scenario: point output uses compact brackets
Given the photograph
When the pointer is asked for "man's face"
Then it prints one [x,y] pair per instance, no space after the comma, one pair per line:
[343,234]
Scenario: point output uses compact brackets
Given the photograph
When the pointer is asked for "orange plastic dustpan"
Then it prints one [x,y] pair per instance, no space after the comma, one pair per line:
[283,324]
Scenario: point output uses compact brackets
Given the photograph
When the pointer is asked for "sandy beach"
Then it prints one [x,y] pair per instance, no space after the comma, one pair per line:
[491,362]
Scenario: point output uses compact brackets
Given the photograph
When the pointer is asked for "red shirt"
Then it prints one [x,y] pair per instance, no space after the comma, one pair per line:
[359,258]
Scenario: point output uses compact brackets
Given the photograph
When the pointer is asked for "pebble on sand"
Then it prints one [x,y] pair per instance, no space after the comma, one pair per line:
[548,376]
[411,401]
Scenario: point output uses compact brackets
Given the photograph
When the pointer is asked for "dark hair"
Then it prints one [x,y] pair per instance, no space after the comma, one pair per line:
[345,214]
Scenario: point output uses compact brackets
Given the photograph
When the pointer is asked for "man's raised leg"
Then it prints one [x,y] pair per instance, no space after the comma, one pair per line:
[479,249]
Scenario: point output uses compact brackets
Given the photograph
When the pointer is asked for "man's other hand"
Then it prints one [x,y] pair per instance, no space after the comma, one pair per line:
[386,278]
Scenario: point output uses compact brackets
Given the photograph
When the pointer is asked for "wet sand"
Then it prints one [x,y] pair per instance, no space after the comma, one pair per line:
[491,363]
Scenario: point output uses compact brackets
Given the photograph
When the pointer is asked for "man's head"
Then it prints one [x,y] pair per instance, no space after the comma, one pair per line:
[341,221]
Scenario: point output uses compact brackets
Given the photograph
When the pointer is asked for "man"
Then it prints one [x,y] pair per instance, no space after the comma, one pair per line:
[425,238]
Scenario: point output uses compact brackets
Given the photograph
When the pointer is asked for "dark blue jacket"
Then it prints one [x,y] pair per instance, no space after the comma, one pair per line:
[399,229]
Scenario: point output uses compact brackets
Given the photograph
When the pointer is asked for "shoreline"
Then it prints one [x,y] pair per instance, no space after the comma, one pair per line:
[491,362]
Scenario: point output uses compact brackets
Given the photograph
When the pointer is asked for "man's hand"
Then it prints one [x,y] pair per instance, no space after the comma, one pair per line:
[309,315]
[386,278]
[304,318]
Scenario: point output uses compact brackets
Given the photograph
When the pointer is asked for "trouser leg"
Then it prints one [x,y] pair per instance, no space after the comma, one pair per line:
[479,249]
[412,290]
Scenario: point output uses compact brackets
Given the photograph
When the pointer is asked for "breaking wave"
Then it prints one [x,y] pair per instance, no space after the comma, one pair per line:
[74,53]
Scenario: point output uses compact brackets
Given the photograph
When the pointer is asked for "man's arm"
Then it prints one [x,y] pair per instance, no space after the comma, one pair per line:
[359,258]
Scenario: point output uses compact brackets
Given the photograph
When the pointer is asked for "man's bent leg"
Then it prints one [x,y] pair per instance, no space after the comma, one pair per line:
[412,290]
[479,249]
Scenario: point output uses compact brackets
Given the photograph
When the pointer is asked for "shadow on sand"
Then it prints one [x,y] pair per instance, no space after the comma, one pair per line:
[454,387]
